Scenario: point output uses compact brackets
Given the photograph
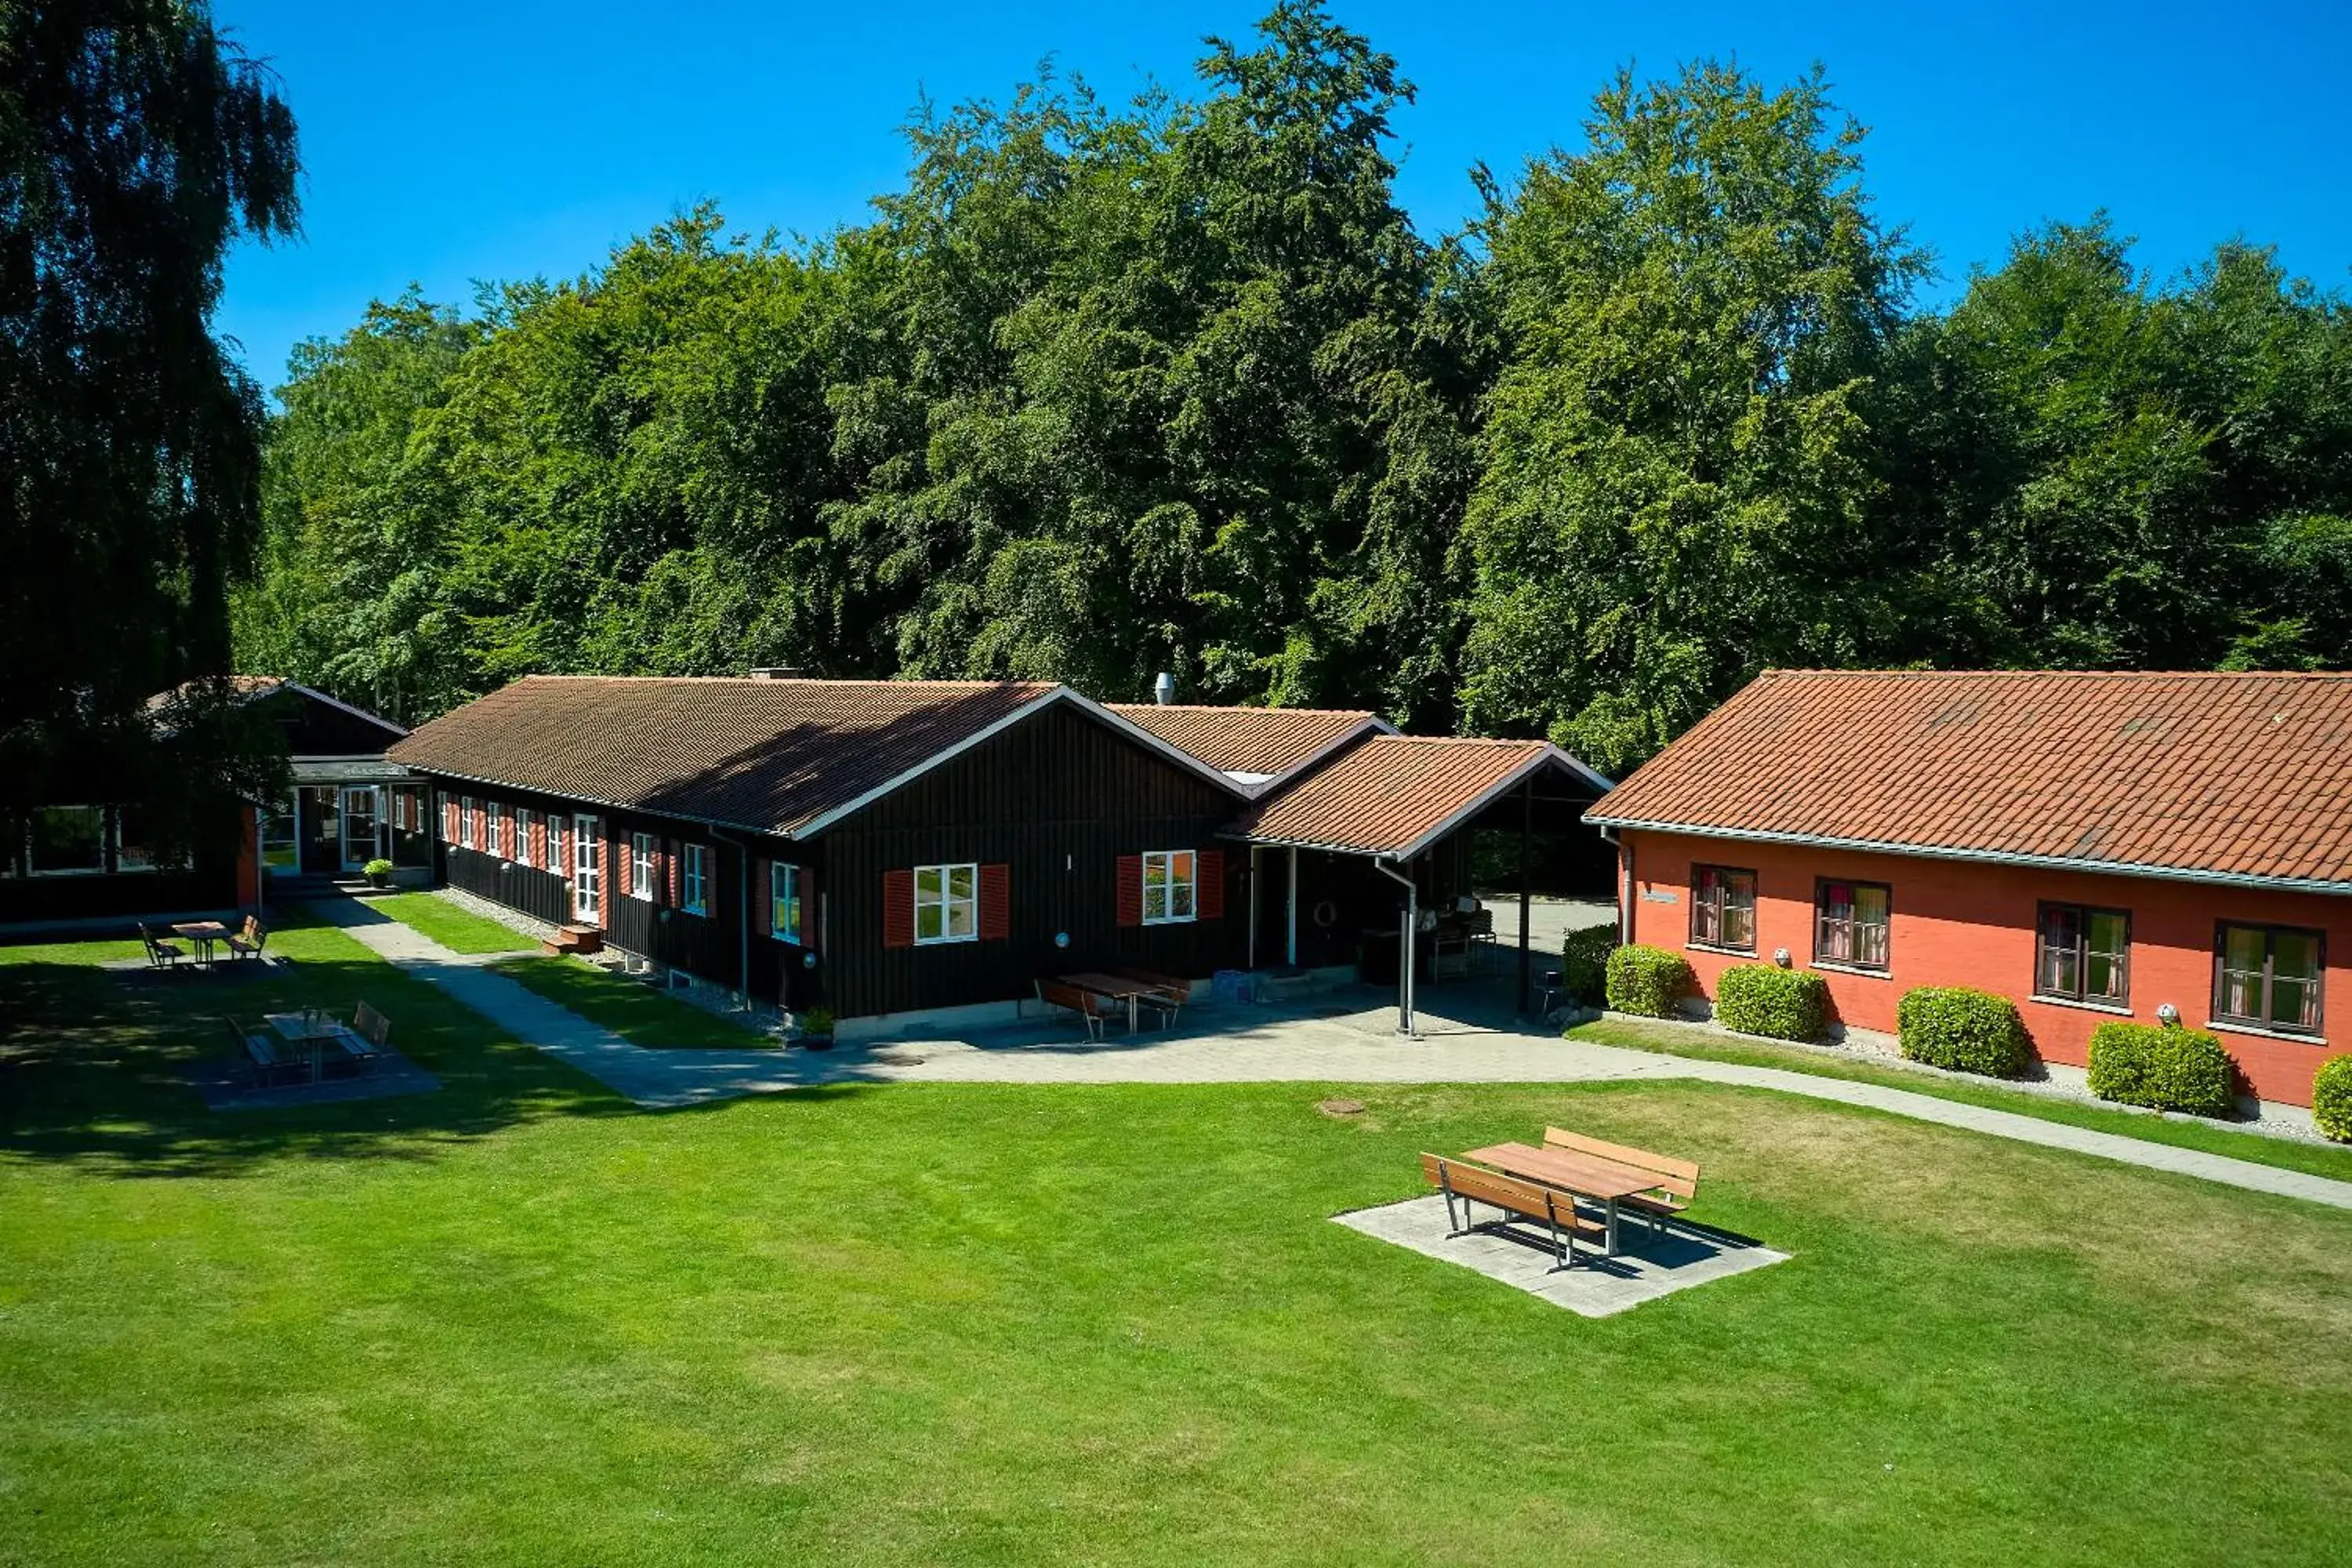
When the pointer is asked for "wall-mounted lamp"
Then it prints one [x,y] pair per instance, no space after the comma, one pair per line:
[1780,957]
[2167,1015]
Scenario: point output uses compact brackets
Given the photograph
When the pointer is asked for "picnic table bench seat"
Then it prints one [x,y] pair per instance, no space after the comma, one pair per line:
[1074,999]
[1677,1179]
[248,941]
[262,1060]
[1548,1206]
[1166,994]
[161,953]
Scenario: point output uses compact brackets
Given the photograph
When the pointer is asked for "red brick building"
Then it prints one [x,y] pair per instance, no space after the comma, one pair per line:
[2094,846]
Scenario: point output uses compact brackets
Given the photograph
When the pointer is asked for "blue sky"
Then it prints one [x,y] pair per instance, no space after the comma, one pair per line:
[448,143]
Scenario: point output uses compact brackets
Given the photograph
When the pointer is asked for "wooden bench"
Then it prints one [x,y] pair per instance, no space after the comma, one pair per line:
[250,941]
[369,1039]
[1070,998]
[1677,1179]
[1529,1200]
[1168,994]
[262,1058]
[160,955]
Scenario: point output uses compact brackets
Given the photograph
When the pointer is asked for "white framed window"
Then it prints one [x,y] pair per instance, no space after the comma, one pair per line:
[1169,886]
[66,840]
[946,903]
[490,839]
[641,866]
[693,879]
[466,822]
[784,902]
[134,848]
[522,836]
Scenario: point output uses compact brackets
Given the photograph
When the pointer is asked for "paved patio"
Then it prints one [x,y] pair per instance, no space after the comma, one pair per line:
[1650,1267]
[1467,1036]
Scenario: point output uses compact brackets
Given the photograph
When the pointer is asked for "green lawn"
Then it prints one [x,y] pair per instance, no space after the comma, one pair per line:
[1671,1040]
[518,1321]
[459,930]
[637,1012]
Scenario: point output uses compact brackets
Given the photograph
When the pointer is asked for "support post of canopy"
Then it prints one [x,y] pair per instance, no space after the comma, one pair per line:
[1405,937]
[1290,892]
[1526,888]
[1254,856]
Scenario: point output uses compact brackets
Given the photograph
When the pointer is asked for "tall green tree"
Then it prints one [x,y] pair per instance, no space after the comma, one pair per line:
[136,144]
[1679,473]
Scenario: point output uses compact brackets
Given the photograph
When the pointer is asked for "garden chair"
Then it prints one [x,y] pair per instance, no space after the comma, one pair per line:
[160,953]
[250,941]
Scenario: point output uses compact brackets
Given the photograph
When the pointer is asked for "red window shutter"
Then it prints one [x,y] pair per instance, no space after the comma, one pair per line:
[669,864]
[1130,890]
[995,902]
[448,820]
[1209,885]
[621,855]
[763,897]
[898,909]
[604,882]
[812,924]
[538,841]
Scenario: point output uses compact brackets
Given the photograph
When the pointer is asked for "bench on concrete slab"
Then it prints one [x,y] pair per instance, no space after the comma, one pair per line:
[1073,999]
[1548,1206]
[248,941]
[160,955]
[258,1057]
[1677,1179]
[368,1040]
[1166,994]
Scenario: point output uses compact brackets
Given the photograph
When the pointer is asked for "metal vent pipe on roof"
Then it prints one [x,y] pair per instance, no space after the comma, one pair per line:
[775,672]
[1163,689]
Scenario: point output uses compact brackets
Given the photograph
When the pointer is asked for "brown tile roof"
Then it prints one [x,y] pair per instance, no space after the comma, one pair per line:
[1393,794]
[771,756]
[1268,741]
[2243,777]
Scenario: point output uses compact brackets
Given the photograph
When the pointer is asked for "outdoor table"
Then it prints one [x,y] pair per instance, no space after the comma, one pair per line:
[1586,1175]
[203,934]
[311,1029]
[1118,987]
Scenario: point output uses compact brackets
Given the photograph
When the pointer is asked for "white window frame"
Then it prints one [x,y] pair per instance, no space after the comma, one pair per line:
[522,836]
[784,911]
[587,886]
[641,866]
[1166,862]
[694,878]
[466,805]
[105,841]
[490,828]
[943,898]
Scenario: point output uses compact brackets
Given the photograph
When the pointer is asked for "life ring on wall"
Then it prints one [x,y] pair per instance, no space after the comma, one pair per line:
[1327,915]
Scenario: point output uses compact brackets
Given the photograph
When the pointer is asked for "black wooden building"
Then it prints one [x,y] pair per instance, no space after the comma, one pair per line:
[875,847]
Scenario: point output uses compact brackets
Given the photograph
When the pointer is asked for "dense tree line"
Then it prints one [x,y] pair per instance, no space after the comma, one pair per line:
[1175,385]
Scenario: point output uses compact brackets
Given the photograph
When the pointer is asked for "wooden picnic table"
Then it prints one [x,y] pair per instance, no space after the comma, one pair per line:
[311,1029]
[203,934]
[1118,987]
[1586,1175]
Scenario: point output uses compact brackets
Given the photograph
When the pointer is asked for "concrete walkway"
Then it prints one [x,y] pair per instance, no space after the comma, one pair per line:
[1338,1042]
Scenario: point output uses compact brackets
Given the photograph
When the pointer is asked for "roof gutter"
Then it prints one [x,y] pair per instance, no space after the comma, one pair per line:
[1990,857]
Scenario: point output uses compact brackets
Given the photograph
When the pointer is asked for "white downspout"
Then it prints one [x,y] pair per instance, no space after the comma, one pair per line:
[1625,886]
[1404,965]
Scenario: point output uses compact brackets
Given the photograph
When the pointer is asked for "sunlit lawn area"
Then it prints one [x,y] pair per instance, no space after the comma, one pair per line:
[459,930]
[520,1321]
[2213,1138]
[637,1012]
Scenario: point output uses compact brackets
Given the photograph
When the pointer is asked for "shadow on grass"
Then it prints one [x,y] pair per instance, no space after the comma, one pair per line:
[93,1063]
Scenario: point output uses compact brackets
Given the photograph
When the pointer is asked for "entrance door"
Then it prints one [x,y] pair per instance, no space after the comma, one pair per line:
[359,816]
[585,893]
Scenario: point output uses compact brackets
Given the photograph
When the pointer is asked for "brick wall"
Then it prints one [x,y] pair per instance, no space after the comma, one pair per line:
[1959,923]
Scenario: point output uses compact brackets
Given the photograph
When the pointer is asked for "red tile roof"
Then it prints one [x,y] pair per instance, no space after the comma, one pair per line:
[1265,740]
[767,755]
[2243,777]
[1393,794]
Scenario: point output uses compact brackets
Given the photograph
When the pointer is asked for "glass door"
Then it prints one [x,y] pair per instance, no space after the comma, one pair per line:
[585,891]
[360,815]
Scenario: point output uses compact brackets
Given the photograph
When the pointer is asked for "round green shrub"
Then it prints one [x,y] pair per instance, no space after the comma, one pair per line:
[1647,980]
[2331,1099]
[1962,1029]
[1584,964]
[2163,1069]
[1765,999]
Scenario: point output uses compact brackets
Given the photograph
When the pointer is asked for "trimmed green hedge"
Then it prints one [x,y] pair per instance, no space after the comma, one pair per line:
[1584,964]
[2331,1099]
[1765,999]
[2162,1068]
[1962,1029]
[1647,980]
